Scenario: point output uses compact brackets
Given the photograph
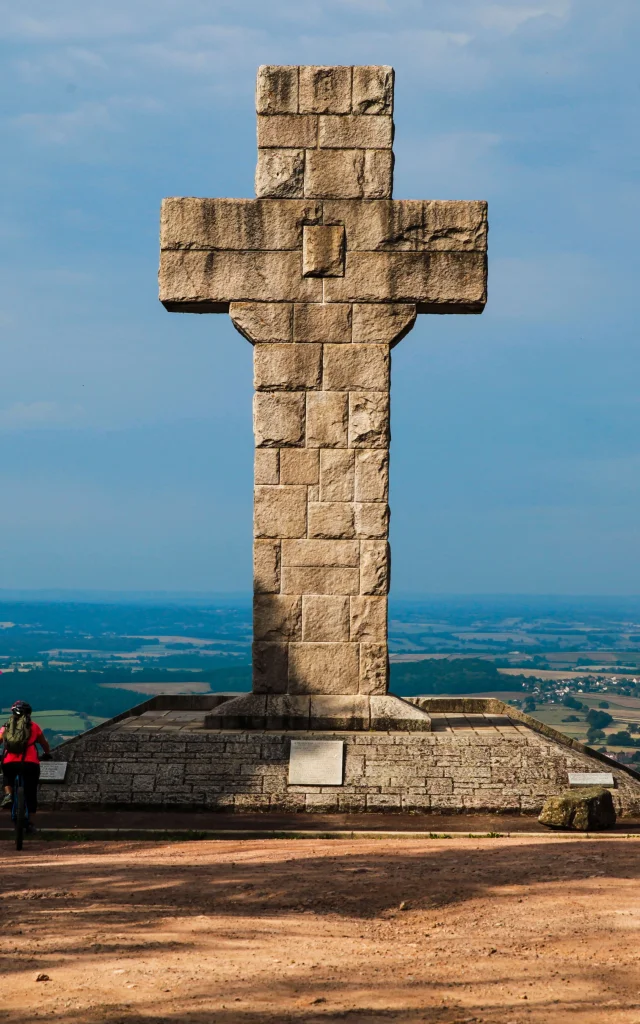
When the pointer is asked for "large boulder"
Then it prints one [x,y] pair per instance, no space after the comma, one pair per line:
[584,810]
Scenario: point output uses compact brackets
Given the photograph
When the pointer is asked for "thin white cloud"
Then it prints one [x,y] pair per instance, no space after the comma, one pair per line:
[69,63]
[87,119]
[66,126]
[460,165]
[37,415]
[66,21]
[509,18]
[549,287]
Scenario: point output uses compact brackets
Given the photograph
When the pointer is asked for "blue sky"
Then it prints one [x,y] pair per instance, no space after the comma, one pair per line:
[125,433]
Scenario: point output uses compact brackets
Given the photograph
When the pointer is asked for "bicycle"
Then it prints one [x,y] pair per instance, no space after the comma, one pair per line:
[19,810]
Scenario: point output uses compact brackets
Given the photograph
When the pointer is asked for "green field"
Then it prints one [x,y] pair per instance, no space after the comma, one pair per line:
[66,722]
[625,711]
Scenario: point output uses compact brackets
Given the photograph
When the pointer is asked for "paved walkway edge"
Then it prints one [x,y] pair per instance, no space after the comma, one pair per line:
[182,835]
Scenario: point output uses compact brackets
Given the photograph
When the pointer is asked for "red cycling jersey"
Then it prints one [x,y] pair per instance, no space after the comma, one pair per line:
[31,756]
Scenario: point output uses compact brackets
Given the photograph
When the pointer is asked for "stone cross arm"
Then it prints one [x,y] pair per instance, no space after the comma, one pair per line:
[219,251]
[323,272]
[324,227]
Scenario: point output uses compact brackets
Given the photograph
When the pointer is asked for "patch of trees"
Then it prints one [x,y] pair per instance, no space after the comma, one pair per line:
[570,701]
[449,675]
[84,692]
[599,719]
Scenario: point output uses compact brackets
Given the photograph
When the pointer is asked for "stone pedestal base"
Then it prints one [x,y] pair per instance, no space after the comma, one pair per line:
[470,755]
[350,713]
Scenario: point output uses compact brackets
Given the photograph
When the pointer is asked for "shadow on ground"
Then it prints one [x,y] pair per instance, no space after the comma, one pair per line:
[94,904]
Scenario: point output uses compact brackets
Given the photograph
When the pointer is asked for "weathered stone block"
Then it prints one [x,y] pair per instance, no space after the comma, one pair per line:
[280,512]
[270,667]
[299,466]
[356,367]
[287,131]
[323,322]
[278,419]
[377,181]
[323,250]
[411,225]
[449,280]
[372,89]
[415,801]
[277,89]
[323,668]
[345,711]
[582,810]
[321,552]
[349,803]
[327,418]
[329,519]
[286,367]
[368,619]
[325,618]
[277,617]
[440,787]
[319,580]
[371,474]
[393,713]
[374,567]
[383,801]
[209,281]
[380,324]
[280,173]
[371,519]
[336,474]
[235,224]
[451,225]
[334,174]
[266,466]
[325,90]
[326,803]
[369,419]
[354,132]
[263,321]
[284,712]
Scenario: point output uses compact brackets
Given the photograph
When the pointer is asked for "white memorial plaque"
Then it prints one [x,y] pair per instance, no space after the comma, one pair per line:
[590,779]
[53,771]
[316,763]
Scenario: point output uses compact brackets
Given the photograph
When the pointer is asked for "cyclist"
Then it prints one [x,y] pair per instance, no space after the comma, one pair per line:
[20,756]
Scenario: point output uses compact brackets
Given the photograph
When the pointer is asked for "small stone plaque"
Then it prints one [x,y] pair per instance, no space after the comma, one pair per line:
[590,779]
[316,763]
[53,771]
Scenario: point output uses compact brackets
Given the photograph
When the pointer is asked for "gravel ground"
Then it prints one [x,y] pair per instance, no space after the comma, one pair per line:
[504,930]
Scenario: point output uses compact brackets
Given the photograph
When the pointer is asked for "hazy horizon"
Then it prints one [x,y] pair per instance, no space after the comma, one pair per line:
[82,596]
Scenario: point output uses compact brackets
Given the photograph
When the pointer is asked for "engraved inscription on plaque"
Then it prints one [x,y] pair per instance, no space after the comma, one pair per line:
[53,771]
[316,763]
[590,779]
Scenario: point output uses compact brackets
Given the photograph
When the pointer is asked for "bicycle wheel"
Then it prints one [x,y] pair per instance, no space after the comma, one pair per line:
[20,813]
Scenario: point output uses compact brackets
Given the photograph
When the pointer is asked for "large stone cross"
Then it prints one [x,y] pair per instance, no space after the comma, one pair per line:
[323,273]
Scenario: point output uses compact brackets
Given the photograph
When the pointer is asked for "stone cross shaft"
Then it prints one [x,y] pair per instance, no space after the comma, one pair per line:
[323,273]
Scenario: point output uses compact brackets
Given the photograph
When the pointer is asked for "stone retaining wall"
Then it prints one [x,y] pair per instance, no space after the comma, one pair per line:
[245,771]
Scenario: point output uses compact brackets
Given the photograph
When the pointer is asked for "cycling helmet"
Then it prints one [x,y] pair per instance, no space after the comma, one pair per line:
[21,708]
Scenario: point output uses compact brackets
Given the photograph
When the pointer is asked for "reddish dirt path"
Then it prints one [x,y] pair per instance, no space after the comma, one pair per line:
[507,930]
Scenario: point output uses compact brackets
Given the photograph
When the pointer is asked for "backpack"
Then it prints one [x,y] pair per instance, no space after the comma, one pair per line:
[17,732]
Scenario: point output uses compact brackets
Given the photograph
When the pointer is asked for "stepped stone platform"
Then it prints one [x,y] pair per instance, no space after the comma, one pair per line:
[478,756]
[319,711]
